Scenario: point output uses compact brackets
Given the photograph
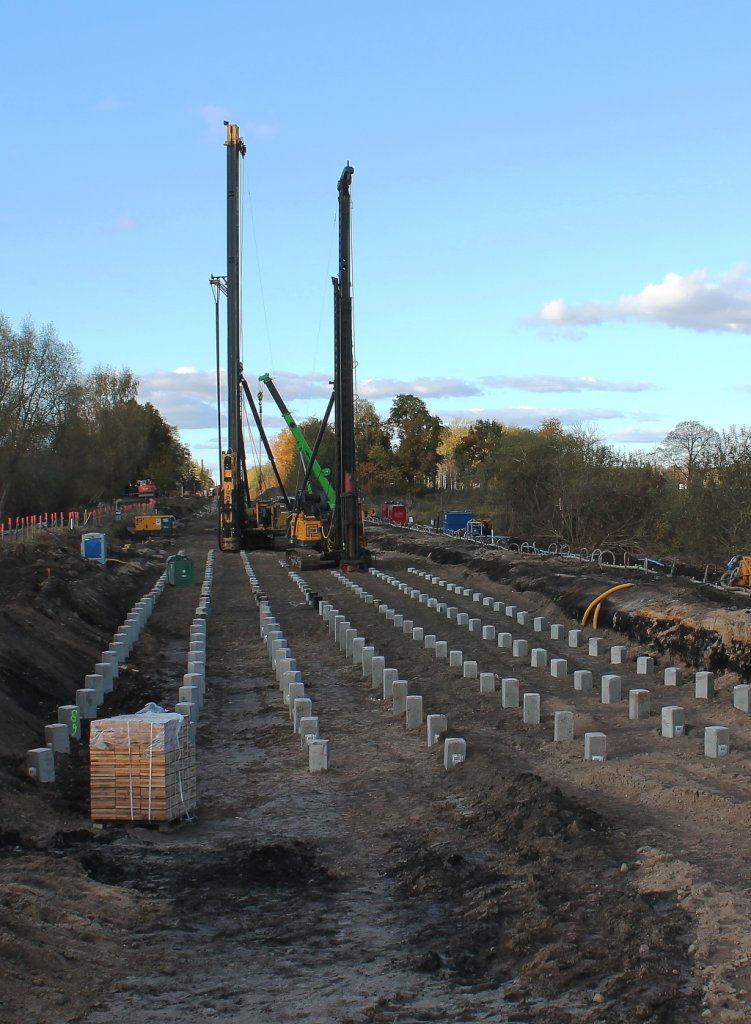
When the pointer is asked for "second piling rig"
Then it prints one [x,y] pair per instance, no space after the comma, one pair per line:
[349,549]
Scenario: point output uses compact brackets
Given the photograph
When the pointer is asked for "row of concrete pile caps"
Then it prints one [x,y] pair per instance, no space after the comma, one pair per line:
[192,692]
[582,679]
[299,707]
[673,675]
[393,689]
[40,761]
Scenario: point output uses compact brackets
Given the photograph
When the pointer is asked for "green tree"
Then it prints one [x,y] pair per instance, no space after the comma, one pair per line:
[689,448]
[375,464]
[415,437]
[475,449]
[453,433]
[38,387]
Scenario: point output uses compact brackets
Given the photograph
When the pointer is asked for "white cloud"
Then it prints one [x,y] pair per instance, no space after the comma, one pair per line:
[125,223]
[185,397]
[697,301]
[551,385]
[421,387]
[293,386]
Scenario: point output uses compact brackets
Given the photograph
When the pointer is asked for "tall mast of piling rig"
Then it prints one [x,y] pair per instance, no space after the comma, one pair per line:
[232,512]
[351,554]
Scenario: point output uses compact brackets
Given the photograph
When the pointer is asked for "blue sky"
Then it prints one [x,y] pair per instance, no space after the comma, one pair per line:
[550,201]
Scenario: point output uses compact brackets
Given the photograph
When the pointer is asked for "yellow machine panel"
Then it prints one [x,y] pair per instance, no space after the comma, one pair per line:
[229,539]
[153,524]
[305,529]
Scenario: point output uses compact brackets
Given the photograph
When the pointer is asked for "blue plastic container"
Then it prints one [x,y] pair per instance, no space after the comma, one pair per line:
[94,546]
[452,521]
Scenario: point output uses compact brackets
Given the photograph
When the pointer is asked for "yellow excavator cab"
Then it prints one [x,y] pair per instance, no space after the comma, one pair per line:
[743,579]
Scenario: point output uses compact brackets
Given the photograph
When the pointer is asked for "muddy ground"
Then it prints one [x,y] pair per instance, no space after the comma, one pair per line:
[524,886]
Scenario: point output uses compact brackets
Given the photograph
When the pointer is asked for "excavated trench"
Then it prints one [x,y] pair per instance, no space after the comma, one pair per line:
[700,625]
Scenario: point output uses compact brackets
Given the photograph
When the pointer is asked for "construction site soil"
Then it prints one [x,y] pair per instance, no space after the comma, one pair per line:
[524,885]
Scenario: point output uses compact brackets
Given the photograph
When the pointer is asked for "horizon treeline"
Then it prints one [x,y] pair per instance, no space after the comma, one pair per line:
[69,438]
[689,499]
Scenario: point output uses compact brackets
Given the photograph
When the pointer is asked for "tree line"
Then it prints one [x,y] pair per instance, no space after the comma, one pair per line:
[69,438]
[690,498]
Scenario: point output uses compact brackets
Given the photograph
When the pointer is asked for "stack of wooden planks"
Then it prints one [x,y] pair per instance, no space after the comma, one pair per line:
[143,768]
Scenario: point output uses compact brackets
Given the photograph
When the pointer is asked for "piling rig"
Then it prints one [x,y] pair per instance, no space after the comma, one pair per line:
[327,528]
[244,523]
[349,532]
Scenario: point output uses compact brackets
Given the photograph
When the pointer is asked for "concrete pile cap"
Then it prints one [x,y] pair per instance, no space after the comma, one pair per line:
[454,752]
[487,682]
[510,693]
[639,703]
[436,725]
[611,689]
[400,689]
[390,676]
[318,755]
[595,746]
[531,709]
[583,679]
[742,697]
[563,726]
[413,712]
[57,738]
[673,721]
[716,741]
[40,764]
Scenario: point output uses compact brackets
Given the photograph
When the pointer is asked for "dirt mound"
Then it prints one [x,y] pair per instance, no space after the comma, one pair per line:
[58,611]
[518,915]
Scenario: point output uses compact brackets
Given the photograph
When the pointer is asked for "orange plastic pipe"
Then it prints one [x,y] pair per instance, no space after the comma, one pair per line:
[606,593]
